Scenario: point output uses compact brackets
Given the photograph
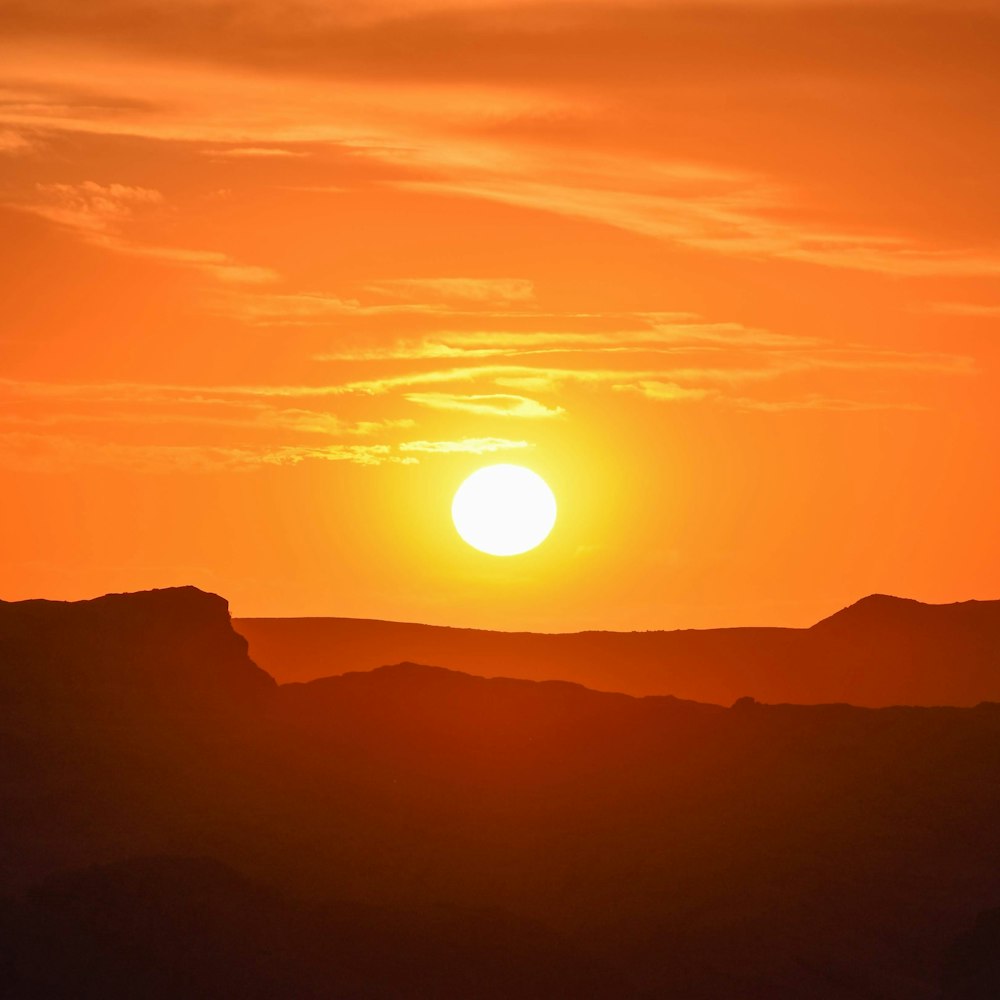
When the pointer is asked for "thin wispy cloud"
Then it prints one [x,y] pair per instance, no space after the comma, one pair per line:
[233,413]
[550,378]
[13,143]
[51,453]
[651,334]
[742,224]
[465,446]
[490,405]
[56,435]
[671,392]
[973,310]
[101,214]
[487,290]
[665,391]
[234,417]
[318,309]
[91,207]
[817,402]
[254,153]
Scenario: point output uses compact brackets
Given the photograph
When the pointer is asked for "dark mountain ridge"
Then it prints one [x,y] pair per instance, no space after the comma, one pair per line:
[128,645]
[648,846]
[880,651]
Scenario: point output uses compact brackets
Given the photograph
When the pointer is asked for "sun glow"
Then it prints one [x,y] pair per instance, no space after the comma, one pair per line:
[504,510]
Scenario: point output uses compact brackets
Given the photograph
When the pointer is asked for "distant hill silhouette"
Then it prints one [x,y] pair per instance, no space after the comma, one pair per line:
[413,831]
[880,651]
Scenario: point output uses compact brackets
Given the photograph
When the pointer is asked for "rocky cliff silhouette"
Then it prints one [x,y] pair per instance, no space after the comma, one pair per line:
[174,646]
[579,843]
[880,651]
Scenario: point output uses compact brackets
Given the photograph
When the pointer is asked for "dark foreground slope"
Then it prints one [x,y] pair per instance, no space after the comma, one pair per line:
[880,651]
[415,832]
[168,928]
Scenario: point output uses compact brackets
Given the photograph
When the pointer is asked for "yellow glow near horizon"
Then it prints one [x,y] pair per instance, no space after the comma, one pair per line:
[504,510]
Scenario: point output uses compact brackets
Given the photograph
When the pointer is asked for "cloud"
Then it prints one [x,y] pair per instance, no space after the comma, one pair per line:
[13,143]
[508,376]
[99,214]
[254,153]
[968,309]
[737,121]
[493,405]
[317,309]
[50,453]
[677,39]
[438,299]
[764,365]
[220,266]
[234,416]
[744,222]
[650,333]
[666,391]
[54,427]
[670,392]
[817,402]
[92,208]
[689,355]
[249,409]
[490,290]
[467,446]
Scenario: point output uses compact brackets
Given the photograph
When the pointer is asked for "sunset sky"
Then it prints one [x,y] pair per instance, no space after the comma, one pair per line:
[278,275]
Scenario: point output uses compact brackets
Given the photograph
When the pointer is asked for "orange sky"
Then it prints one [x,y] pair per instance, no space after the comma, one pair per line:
[276,278]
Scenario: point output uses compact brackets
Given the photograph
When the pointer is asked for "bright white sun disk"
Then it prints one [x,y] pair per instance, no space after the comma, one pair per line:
[504,510]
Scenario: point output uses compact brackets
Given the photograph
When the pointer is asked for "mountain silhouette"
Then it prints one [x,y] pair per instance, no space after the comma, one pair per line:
[174,818]
[880,651]
[154,644]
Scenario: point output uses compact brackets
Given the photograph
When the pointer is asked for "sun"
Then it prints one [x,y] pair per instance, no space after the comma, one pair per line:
[504,510]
